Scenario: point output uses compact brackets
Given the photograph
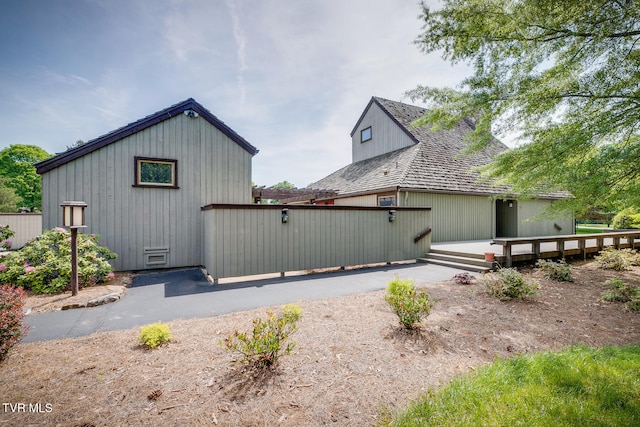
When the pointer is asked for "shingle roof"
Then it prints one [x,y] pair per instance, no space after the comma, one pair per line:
[434,163]
[137,126]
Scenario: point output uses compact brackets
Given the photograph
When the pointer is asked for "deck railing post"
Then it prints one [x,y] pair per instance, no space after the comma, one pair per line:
[582,246]
[560,247]
[507,254]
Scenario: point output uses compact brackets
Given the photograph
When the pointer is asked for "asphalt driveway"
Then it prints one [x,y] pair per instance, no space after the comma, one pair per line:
[186,294]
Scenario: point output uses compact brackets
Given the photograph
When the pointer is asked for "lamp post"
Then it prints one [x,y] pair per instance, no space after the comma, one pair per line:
[73,217]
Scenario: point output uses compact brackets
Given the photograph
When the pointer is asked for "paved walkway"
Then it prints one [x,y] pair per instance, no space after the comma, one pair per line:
[186,294]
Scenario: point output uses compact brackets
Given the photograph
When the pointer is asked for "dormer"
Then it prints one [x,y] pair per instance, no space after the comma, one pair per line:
[378,132]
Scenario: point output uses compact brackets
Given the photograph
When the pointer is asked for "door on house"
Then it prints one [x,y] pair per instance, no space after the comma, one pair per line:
[506,218]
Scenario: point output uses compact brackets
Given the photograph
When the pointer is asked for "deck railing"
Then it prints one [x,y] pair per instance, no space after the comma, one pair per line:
[580,243]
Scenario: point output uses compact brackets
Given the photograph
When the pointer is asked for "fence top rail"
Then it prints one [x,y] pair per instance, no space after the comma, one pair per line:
[309,207]
[508,241]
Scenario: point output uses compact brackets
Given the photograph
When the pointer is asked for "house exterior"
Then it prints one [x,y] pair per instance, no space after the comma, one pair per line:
[397,164]
[146,182]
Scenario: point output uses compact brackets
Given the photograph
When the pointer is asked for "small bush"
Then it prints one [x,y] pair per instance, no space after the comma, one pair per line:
[507,284]
[560,271]
[621,292]
[262,347]
[626,219]
[44,264]
[12,301]
[155,334]
[409,304]
[463,279]
[611,258]
[5,232]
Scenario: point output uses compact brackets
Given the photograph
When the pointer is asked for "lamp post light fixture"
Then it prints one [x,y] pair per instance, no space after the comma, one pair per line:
[285,216]
[73,217]
[392,215]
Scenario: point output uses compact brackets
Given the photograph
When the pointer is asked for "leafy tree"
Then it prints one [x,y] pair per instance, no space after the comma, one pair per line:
[78,143]
[16,165]
[8,198]
[562,75]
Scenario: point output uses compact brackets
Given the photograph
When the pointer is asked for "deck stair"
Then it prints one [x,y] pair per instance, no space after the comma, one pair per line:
[459,260]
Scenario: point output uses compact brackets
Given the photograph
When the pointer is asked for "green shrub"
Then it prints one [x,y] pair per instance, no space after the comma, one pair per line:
[5,233]
[507,284]
[621,292]
[262,347]
[611,258]
[626,219]
[409,304]
[560,271]
[634,305]
[11,330]
[43,265]
[155,334]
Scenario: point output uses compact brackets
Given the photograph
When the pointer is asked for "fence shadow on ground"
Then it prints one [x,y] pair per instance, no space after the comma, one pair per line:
[193,281]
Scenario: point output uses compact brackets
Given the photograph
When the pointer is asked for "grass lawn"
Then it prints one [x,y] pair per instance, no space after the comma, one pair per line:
[590,228]
[578,386]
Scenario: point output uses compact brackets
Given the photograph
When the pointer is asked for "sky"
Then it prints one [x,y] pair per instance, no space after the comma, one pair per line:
[291,77]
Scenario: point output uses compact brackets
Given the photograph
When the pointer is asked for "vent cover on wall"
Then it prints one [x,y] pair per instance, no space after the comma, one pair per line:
[155,256]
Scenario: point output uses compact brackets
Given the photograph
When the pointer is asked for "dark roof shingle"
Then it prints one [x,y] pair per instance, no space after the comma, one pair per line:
[435,163]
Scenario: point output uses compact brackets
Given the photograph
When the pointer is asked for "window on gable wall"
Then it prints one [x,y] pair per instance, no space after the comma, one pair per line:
[152,172]
[386,200]
[365,134]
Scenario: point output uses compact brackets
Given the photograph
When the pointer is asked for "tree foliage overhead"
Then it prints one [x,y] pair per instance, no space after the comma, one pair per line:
[16,165]
[563,75]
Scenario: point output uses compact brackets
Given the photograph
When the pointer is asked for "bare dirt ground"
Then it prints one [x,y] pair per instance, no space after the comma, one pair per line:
[352,365]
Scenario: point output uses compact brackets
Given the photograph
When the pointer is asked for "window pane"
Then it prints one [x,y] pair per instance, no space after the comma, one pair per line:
[365,134]
[387,201]
[156,173]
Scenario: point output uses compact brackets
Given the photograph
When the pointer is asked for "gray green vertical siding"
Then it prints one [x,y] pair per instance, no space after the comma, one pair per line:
[455,217]
[386,135]
[248,240]
[211,169]
[534,223]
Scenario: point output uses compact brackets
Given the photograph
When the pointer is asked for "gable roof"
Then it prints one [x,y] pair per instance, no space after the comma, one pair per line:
[433,164]
[137,126]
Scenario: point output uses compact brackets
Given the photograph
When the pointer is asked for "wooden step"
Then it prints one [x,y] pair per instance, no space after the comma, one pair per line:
[456,261]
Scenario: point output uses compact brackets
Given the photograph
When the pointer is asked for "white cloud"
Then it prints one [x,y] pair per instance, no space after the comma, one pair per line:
[290,77]
[240,39]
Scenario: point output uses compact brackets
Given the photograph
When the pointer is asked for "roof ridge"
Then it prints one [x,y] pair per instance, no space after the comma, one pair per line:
[139,125]
[409,167]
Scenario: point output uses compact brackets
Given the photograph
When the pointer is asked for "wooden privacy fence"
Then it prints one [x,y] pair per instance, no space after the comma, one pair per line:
[243,240]
[25,225]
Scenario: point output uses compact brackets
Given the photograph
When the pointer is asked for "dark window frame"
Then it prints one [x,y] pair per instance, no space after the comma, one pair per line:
[362,136]
[138,160]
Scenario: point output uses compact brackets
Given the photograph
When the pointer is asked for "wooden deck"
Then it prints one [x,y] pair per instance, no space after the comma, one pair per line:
[522,249]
